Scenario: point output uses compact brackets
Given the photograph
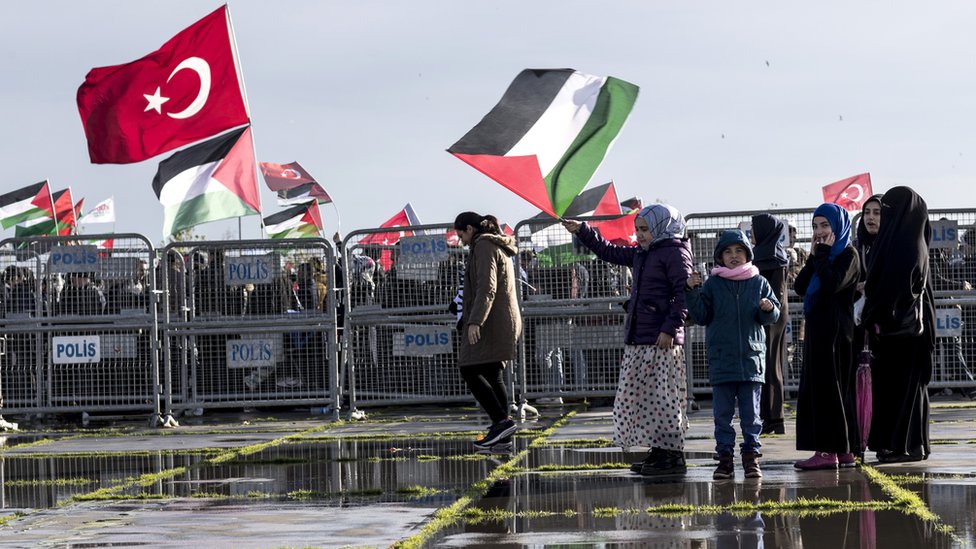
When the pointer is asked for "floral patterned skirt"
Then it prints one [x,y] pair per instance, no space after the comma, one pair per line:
[650,407]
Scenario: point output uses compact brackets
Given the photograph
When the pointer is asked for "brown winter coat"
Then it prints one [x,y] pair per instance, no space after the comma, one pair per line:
[490,302]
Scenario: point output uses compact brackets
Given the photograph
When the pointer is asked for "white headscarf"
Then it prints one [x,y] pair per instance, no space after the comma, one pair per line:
[663,221]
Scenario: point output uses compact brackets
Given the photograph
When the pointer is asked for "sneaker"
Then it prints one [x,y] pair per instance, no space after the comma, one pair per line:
[671,463]
[496,433]
[750,464]
[725,469]
[503,446]
[846,460]
[819,460]
[652,456]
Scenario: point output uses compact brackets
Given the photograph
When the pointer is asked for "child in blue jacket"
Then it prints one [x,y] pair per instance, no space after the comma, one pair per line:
[734,305]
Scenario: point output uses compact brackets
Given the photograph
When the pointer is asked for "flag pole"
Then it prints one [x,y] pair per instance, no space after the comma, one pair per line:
[247,108]
[54,209]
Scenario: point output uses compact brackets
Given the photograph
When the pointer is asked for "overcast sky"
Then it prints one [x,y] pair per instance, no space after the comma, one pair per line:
[743,105]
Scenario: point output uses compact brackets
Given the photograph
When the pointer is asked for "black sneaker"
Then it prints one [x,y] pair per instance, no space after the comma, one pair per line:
[497,432]
[672,463]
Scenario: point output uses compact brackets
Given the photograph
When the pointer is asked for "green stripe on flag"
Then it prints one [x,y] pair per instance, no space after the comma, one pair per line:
[212,206]
[26,215]
[577,166]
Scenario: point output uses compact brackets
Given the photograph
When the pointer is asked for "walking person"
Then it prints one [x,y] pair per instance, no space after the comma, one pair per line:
[649,408]
[734,305]
[899,318]
[768,236]
[825,401]
[490,320]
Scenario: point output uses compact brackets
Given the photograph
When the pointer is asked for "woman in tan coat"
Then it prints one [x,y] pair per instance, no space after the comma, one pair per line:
[490,320]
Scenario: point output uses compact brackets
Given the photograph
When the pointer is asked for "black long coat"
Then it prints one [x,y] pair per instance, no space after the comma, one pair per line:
[825,419]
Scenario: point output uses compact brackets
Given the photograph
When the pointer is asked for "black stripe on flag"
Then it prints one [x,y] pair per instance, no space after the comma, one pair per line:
[584,204]
[25,193]
[529,95]
[197,155]
[285,215]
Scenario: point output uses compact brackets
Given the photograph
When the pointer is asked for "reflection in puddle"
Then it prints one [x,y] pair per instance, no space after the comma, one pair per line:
[427,472]
[543,509]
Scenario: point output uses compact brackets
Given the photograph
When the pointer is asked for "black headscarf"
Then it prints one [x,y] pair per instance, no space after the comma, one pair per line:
[769,252]
[897,288]
[865,240]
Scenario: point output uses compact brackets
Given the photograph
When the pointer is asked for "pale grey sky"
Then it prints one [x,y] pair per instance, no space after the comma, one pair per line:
[742,104]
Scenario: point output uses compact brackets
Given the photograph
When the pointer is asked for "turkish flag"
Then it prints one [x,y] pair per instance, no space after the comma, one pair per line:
[850,193]
[280,177]
[404,218]
[185,91]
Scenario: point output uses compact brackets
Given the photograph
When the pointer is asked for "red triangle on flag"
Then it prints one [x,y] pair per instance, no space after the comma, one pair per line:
[236,171]
[313,216]
[519,174]
[620,231]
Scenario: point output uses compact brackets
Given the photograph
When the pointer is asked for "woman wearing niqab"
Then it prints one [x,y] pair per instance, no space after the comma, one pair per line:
[899,318]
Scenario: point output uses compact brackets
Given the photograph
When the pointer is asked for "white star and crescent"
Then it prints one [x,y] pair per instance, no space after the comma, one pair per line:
[289,173]
[860,193]
[197,65]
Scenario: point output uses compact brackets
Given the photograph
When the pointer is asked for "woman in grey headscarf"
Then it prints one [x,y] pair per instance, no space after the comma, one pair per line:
[649,409]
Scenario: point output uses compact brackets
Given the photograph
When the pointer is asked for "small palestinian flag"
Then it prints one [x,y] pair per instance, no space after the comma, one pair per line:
[300,221]
[42,226]
[303,193]
[549,134]
[28,203]
[600,200]
[209,181]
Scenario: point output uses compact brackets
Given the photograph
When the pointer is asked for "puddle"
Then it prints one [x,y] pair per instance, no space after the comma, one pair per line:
[431,472]
[43,482]
[547,510]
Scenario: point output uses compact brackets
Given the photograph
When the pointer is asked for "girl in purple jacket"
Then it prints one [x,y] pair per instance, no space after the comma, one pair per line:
[649,409]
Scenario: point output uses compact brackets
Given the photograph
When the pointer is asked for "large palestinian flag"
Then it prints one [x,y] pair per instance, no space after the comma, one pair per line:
[549,134]
[209,181]
[300,221]
[26,204]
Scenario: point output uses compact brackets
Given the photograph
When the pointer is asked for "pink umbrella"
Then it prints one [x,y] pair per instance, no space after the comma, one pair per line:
[864,403]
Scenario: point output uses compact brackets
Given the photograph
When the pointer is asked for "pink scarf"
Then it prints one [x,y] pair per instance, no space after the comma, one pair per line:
[742,272]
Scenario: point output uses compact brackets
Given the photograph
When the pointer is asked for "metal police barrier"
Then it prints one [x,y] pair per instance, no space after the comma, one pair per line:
[400,341]
[703,232]
[80,325]
[572,314]
[250,323]
[952,262]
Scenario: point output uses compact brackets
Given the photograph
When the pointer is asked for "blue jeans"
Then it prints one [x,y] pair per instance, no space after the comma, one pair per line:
[724,396]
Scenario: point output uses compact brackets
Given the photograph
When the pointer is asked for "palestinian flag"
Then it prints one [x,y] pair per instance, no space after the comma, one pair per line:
[404,218]
[300,221]
[303,193]
[32,202]
[64,211]
[62,223]
[601,200]
[549,134]
[208,181]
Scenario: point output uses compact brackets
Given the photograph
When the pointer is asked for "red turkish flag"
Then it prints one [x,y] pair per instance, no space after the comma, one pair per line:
[850,193]
[185,91]
[280,177]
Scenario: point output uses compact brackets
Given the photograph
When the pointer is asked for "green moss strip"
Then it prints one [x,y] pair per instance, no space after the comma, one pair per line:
[453,513]
[582,467]
[79,481]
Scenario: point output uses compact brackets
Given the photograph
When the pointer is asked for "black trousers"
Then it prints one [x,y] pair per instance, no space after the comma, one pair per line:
[488,387]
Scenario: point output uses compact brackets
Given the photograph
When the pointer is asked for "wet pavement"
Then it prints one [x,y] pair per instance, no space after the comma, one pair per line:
[287,479]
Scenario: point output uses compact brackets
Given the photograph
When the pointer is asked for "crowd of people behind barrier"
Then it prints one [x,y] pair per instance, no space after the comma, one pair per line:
[197,289]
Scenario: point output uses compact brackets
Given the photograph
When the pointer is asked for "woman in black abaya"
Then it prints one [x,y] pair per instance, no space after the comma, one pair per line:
[899,318]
